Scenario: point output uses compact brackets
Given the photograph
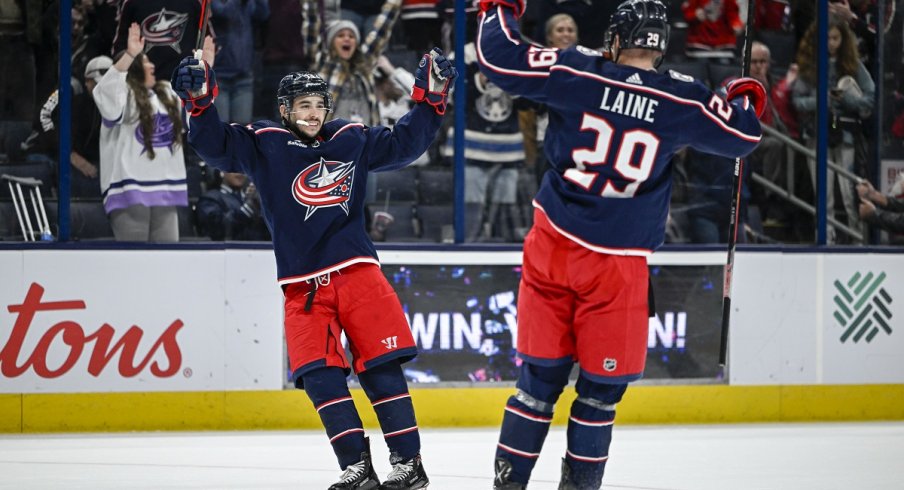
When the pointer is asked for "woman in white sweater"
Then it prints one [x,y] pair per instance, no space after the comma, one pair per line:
[142,168]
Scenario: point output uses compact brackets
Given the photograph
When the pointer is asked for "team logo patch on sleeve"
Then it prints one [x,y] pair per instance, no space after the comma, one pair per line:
[324,184]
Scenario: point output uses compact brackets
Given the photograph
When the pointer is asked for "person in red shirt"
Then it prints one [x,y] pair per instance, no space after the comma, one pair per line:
[713,28]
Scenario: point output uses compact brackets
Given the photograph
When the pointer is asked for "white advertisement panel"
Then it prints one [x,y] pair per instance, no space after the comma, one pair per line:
[119,321]
[817,319]
[772,336]
[254,321]
[198,320]
[862,313]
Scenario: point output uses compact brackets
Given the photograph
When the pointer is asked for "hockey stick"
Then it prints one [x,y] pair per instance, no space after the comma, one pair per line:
[735,202]
[203,22]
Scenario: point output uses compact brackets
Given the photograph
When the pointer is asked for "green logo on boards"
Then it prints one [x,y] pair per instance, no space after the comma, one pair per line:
[862,307]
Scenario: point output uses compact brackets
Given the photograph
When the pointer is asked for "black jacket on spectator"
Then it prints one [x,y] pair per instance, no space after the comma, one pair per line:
[891,217]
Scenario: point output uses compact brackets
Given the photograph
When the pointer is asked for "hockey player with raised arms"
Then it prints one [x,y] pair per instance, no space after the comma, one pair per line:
[614,125]
[311,175]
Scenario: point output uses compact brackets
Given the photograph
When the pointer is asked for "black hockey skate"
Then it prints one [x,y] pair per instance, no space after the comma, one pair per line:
[568,483]
[503,474]
[359,476]
[406,475]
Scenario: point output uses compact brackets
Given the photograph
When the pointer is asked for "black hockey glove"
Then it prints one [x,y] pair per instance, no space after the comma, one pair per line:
[196,84]
[517,5]
[432,80]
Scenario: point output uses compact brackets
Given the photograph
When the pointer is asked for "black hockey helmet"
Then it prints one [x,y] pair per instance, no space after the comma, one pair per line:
[642,24]
[301,83]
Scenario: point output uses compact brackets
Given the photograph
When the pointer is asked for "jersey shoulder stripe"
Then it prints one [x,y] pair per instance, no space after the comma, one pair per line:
[659,93]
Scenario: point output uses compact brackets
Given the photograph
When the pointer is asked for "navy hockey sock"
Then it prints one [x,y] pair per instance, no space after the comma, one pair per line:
[527,416]
[590,431]
[387,390]
[328,391]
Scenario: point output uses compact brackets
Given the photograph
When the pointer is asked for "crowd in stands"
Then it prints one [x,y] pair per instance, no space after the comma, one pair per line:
[123,52]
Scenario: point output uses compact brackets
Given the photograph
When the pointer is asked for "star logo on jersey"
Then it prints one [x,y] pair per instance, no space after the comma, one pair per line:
[165,28]
[324,184]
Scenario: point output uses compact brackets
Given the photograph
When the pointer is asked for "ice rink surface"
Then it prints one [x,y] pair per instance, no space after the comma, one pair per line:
[861,456]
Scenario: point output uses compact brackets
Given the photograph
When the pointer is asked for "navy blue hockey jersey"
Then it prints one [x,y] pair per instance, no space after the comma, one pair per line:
[612,132]
[312,196]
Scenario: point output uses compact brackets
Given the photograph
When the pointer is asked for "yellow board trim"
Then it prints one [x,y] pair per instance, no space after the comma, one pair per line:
[439,407]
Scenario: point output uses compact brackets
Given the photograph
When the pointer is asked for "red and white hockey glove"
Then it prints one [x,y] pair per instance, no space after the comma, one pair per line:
[750,88]
[195,82]
[432,80]
[516,5]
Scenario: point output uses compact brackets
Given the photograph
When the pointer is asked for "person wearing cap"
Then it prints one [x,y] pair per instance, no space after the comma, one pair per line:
[85,153]
[346,60]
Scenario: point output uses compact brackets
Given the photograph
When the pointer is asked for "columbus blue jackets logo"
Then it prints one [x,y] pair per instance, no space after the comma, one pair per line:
[324,184]
[165,28]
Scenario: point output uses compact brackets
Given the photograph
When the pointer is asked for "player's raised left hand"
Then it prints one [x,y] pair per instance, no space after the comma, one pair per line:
[195,82]
[750,88]
[432,80]
[517,5]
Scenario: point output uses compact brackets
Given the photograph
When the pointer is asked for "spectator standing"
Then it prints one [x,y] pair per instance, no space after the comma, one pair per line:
[713,28]
[233,21]
[233,211]
[589,15]
[346,61]
[494,155]
[852,94]
[169,28]
[85,154]
[142,168]
[561,32]
[20,40]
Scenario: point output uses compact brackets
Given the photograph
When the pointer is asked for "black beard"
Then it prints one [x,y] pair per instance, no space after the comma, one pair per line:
[293,128]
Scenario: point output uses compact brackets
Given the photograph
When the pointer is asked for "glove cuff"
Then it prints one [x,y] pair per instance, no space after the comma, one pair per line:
[418,94]
[197,105]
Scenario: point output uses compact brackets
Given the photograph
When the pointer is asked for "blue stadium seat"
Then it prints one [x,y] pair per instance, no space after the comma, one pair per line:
[435,187]
[403,227]
[89,221]
[433,218]
[397,185]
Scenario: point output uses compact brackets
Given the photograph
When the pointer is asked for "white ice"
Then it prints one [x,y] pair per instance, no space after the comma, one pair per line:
[844,456]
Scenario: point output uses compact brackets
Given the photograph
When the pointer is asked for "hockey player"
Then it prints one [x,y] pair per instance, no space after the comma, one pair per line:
[311,175]
[600,211]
